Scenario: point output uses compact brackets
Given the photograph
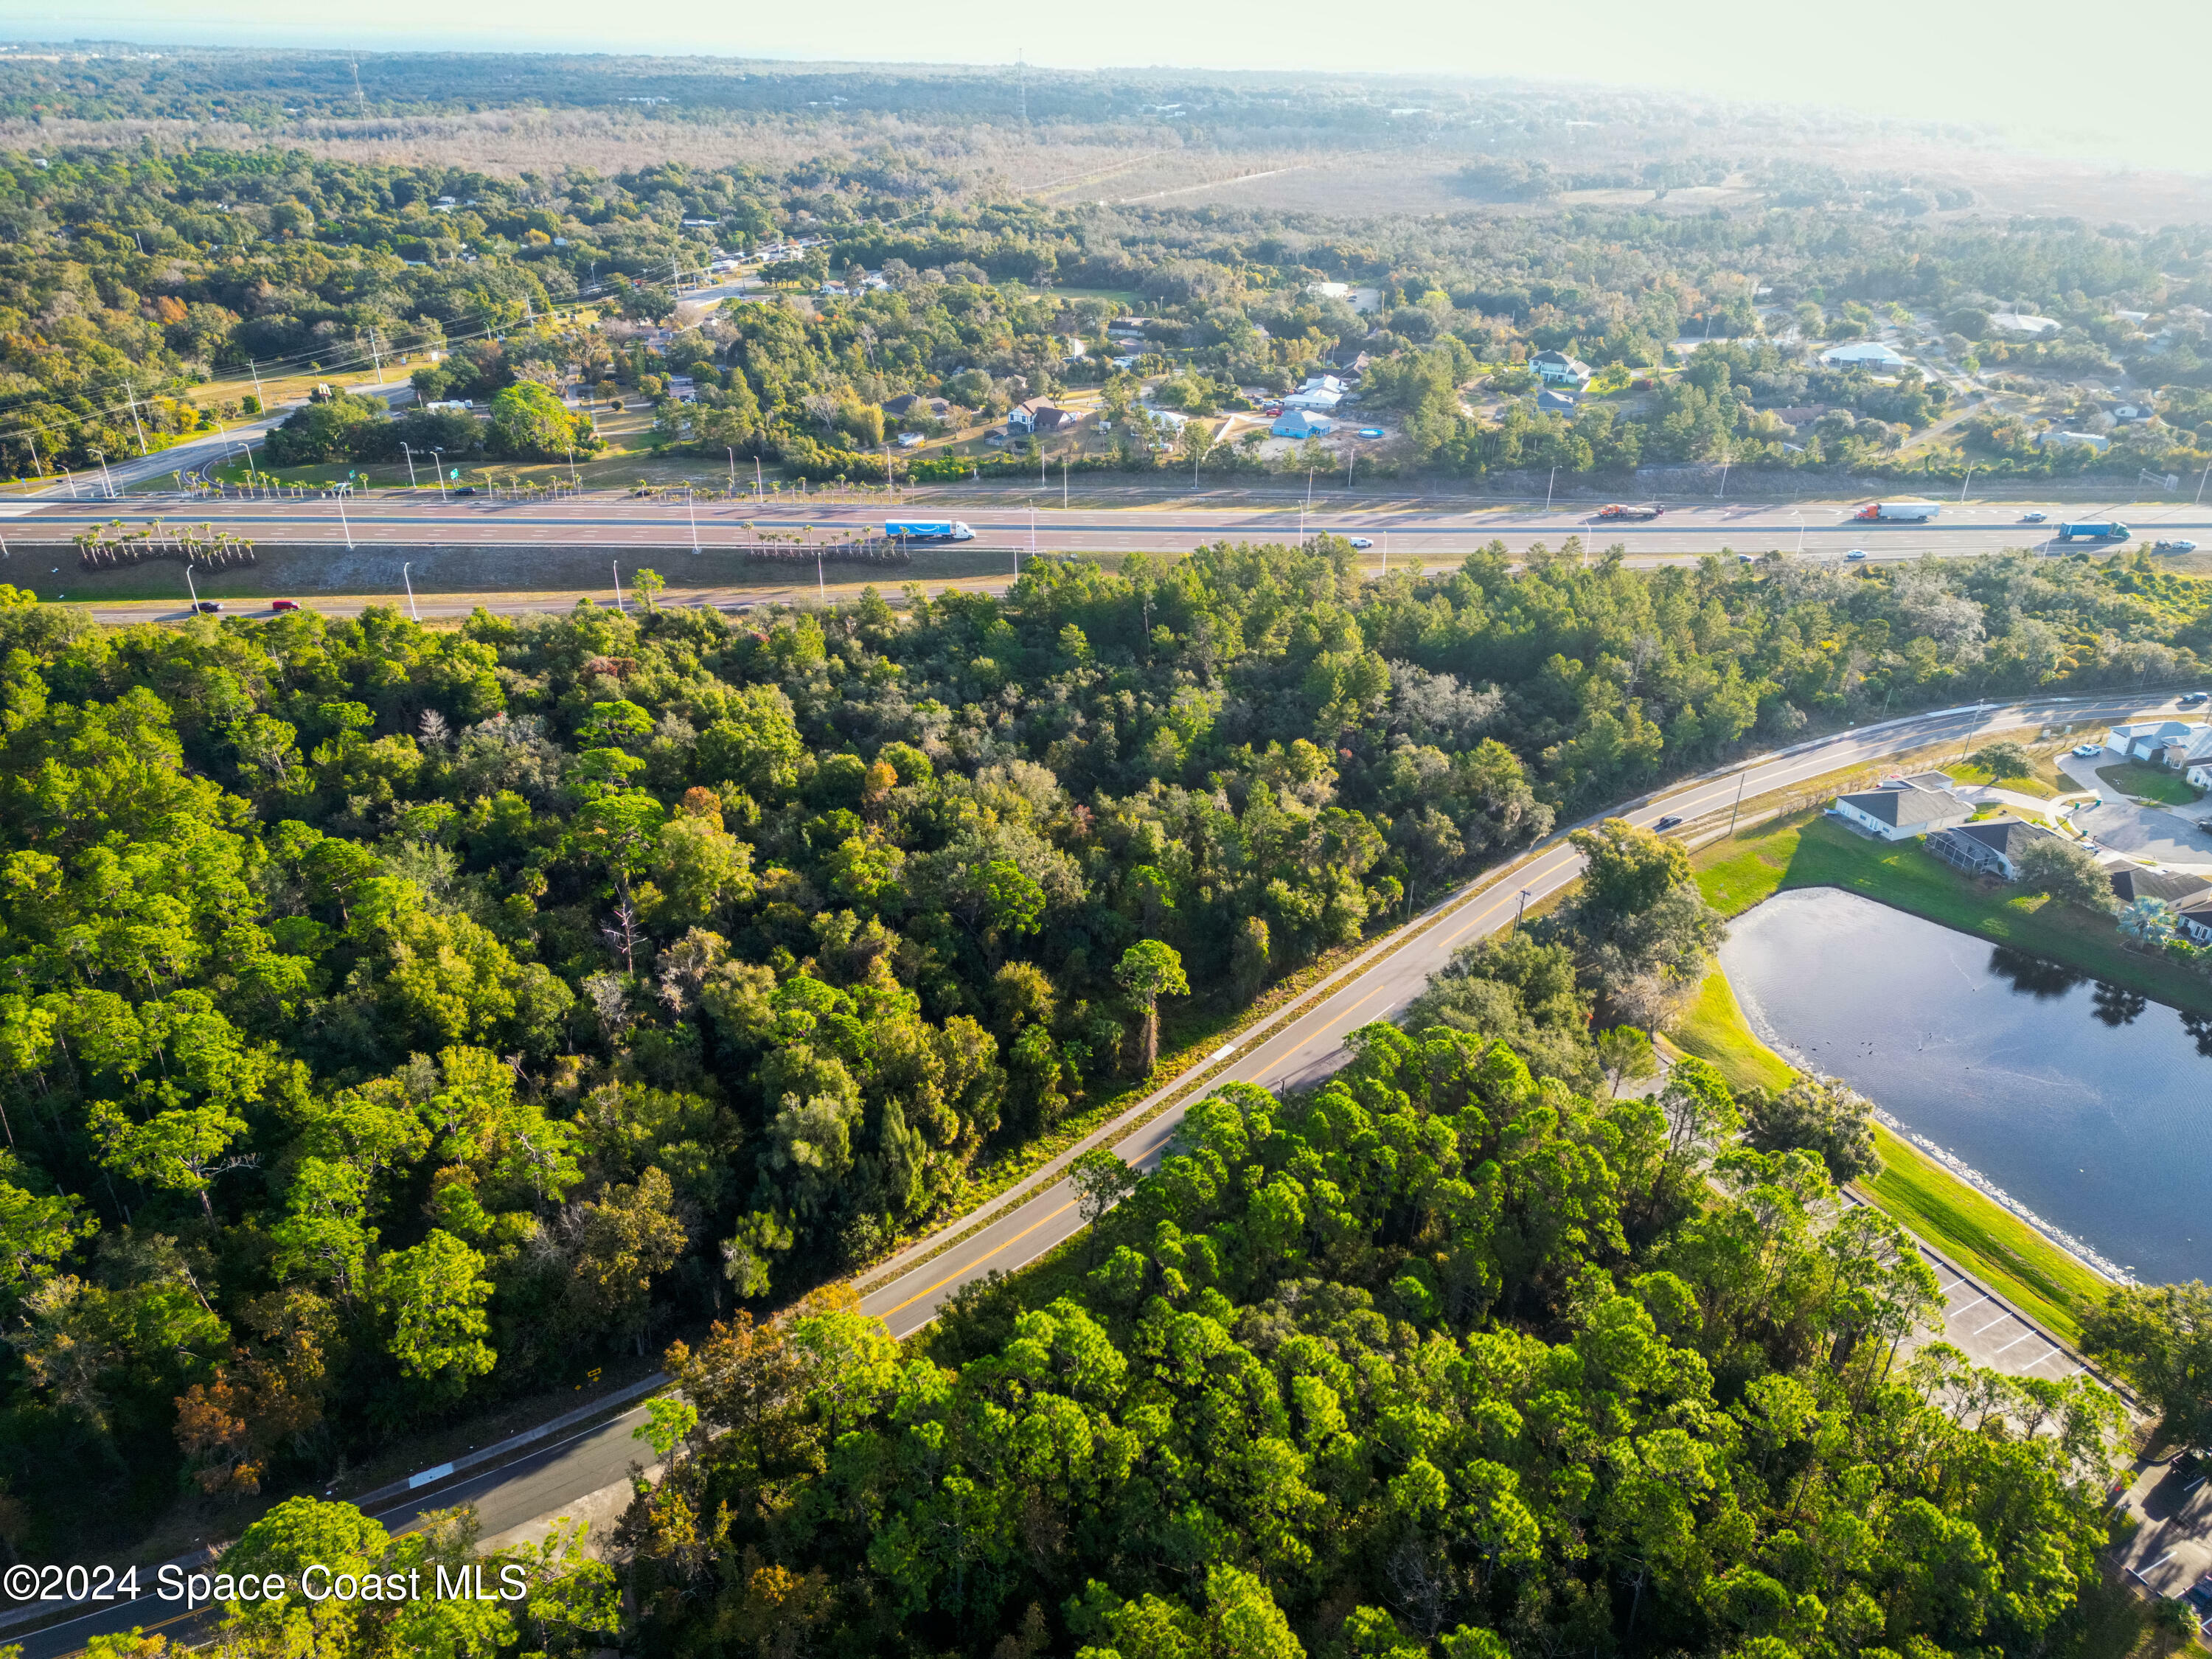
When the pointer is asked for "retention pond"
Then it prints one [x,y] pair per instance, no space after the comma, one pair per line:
[2086,1104]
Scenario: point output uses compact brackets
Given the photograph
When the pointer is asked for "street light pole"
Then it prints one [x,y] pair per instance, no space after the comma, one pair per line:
[692,502]
[343,525]
[2201,477]
[191,587]
[410,586]
[616,569]
[1963,483]
[408,450]
[109,477]
[1742,779]
[441,454]
[1548,483]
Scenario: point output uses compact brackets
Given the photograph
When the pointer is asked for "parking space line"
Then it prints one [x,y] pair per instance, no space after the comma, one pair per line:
[1976,1302]
[1994,1323]
[2015,1343]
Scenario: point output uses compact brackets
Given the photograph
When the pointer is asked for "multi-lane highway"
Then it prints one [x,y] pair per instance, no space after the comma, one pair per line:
[1430,532]
[1303,1046]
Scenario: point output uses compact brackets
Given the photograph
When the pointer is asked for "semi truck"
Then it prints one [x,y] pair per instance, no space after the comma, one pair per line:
[929,530]
[1619,513]
[2110,531]
[1899,511]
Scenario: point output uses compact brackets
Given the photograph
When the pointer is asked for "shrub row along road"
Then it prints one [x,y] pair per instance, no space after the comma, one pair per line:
[1033,1216]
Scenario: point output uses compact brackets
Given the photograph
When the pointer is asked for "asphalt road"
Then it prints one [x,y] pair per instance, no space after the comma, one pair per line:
[1034,1218]
[1382,981]
[535,1485]
[1431,534]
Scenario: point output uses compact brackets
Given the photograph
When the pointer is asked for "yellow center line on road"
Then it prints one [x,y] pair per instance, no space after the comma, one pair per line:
[977,1262]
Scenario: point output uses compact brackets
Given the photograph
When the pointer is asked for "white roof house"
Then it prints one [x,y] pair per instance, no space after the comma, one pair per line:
[1319,399]
[2020,322]
[1863,354]
[2150,739]
[2083,439]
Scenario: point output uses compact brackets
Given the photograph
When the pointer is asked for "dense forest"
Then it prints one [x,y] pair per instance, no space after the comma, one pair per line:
[1441,1359]
[398,1019]
[128,276]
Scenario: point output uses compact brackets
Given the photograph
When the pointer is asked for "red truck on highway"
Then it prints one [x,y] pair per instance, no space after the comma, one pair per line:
[1635,513]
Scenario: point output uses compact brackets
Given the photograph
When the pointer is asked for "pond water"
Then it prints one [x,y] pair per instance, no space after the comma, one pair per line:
[2087,1104]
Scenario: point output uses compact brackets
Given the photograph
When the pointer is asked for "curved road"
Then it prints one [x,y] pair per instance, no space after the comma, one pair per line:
[1033,1216]
[1387,976]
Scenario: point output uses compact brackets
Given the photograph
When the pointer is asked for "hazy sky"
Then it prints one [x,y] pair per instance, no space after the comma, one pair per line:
[2124,83]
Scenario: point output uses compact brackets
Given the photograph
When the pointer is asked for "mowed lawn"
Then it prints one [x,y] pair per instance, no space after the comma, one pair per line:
[1808,850]
[2147,783]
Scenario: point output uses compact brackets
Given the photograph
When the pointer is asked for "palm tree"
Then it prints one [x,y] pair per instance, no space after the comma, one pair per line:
[2149,919]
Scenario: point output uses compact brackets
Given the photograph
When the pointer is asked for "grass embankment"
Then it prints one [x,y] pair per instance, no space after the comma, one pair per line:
[1806,850]
[1987,1240]
[2145,782]
[1713,1029]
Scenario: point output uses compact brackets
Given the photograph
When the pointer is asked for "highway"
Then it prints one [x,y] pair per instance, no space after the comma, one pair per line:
[1039,1213]
[1435,535]
[1383,979]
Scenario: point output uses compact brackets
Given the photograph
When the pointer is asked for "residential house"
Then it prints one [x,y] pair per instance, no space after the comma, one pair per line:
[1564,403]
[1991,848]
[1320,399]
[1901,813]
[1321,383]
[2095,441]
[1040,417]
[1863,354]
[913,407]
[1301,423]
[2194,919]
[2196,760]
[2018,322]
[2150,740]
[1557,368]
[2132,882]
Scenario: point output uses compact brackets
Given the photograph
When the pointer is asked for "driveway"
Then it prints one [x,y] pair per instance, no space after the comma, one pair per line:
[2167,834]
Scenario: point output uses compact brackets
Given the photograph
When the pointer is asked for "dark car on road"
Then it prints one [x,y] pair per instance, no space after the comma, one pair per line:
[1669,822]
[208,607]
[2190,700]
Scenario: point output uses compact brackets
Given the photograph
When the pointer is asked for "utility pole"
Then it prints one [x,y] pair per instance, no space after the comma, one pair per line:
[760,490]
[1968,479]
[132,400]
[377,354]
[1310,478]
[254,369]
[1742,779]
[359,97]
[411,611]
[2201,477]
[1548,483]
[1521,909]
[1063,483]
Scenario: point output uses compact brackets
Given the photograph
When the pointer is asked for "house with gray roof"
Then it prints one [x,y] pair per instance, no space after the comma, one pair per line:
[2132,882]
[1902,813]
[1991,848]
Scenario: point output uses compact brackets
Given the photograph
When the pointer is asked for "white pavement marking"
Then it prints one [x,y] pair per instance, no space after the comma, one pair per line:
[2015,1343]
[1976,1302]
[1994,1323]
